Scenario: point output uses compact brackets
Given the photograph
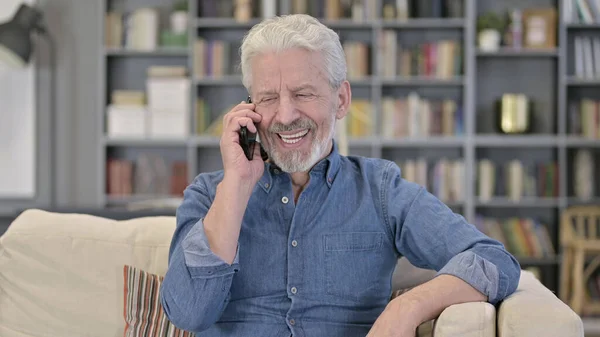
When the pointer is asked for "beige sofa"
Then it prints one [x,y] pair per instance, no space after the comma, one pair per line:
[61,275]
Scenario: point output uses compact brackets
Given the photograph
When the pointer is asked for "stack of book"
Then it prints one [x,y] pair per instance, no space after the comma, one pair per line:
[212,58]
[357,11]
[404,9]
[584,118]
[413,116]
[359,118]
[436,59]
[168,90]
[239,10]
[584,174]
[516,180]
[148,175]
[523,237]
[587,57]
[444,178]
[136,30]
[581,11]
[439,59]
[357,59]
[160,112]
[127,115]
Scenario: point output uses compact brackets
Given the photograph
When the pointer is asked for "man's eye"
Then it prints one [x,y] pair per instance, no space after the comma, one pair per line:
[304,95]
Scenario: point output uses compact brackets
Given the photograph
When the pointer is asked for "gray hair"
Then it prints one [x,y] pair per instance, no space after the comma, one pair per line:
[294,31]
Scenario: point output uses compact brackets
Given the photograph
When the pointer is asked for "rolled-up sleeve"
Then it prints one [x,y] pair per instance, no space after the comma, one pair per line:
[430,235]
[195,289]
[200,259]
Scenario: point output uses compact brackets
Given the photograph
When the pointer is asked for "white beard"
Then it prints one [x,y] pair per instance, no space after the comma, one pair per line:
[292,161]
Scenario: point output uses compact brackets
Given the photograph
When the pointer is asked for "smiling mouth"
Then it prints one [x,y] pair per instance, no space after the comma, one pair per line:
[293,138]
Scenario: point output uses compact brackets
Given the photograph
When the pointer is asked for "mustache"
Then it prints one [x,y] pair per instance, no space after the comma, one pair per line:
[295,125]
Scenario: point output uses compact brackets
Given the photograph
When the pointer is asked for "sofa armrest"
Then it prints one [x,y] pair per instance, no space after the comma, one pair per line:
[533,310]
[474,319]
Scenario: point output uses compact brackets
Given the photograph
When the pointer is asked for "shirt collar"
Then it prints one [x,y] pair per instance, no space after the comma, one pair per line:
[327,168]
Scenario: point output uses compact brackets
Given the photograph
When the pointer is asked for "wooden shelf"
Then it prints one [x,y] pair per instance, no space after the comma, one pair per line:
[127,142]
[205,141]
[522,52]
[222,23]
[423,81]
[576,141]
[362,141]
[425,23]
[524,202]
[161,52]
[583,26]
[575,81]
[365,81]
[431,141]
[225,80]
[348,24]
[572,201]
[516,140]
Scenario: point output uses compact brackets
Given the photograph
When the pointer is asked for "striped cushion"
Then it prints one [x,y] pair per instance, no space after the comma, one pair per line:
[143,312]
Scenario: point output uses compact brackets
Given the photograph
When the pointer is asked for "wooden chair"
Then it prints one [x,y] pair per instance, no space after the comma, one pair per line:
[580,242]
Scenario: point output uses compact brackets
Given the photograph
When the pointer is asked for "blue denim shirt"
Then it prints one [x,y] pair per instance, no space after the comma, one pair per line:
[321,266]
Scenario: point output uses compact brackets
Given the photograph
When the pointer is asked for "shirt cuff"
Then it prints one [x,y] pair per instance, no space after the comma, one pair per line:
[478,272]
[200,259]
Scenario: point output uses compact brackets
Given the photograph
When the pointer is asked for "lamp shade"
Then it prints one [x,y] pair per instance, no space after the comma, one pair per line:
[15,37]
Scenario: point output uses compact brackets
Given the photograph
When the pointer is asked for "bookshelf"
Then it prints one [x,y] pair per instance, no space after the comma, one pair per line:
[547,76]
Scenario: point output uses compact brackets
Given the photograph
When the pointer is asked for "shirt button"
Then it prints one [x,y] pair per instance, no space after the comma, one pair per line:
[276,171]
[294,290]
[292,321]
[294,243]
[285,200]
[267,185]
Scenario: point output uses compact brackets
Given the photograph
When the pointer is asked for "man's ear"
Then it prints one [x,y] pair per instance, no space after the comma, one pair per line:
[344,94]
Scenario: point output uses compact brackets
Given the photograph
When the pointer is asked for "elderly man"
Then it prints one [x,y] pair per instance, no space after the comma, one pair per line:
[305,243]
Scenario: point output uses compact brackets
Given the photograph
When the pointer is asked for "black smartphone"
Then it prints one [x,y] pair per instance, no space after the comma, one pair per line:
[247,139]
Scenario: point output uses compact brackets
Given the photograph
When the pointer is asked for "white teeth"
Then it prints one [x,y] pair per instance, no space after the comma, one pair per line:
[292,139]
[295,135]
[287,141]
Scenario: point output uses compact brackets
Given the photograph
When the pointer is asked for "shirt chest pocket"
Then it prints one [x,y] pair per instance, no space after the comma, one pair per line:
[354,265]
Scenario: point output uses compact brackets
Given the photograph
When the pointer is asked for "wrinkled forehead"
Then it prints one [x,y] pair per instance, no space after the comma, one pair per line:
[287,70]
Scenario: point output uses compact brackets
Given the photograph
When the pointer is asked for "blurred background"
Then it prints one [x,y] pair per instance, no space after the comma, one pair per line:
[490,104]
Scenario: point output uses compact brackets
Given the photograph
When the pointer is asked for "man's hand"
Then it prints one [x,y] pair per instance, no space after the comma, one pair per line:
[223,221]
[236,166]
[405,313]
[395,321]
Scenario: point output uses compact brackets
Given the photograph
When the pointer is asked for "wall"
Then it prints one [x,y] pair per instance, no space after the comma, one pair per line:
[17,123]
[75,26]
[4,222]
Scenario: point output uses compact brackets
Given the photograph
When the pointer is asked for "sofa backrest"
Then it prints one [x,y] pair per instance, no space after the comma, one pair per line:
[62,274]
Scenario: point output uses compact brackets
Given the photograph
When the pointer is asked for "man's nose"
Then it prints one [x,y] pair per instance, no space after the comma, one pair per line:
[286,111]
